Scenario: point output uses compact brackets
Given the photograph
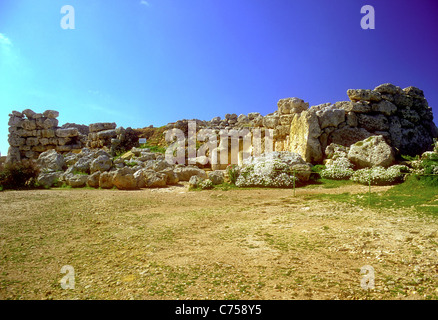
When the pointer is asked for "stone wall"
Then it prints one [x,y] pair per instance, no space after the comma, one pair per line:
[32,133]
[402,116]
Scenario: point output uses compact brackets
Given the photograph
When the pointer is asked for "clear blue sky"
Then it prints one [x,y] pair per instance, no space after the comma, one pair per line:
[138,63]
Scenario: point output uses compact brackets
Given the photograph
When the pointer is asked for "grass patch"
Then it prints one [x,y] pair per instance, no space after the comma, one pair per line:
[329,183]
[156,149]
[418,193]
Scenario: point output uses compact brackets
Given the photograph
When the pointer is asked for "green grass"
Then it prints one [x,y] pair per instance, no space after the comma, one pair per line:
[329,184]
[419,194]
[131,164]
[155,149]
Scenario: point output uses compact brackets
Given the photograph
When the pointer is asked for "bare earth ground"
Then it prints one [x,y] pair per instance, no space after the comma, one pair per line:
[236,244]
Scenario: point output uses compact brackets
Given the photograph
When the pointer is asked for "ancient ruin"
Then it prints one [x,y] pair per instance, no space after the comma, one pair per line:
[387,121]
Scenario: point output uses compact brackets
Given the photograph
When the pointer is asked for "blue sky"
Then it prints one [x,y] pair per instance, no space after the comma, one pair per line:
[138,63]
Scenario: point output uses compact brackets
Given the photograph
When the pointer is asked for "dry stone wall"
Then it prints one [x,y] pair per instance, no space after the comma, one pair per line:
[31,133]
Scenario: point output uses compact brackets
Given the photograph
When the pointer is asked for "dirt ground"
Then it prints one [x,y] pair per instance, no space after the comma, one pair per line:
[237,244]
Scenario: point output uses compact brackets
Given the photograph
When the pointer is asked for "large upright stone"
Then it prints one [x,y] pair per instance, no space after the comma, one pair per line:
[304,134]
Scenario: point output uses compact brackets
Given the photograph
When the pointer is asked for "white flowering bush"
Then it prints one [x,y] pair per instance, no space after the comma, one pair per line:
[267,173]
[206,184]
[379,175]
[339,169]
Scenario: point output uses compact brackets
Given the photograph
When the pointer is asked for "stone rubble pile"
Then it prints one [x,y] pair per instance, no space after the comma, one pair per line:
[96,168]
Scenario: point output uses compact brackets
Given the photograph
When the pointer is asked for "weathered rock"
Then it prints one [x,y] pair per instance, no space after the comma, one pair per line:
[49,123]
[274,169]
[171,176]
[357,107]
[330,116]
[106,180]
[271,122]
[17,114]
[373,123]
[76,180]
[28,124]
[101,163]
[388,88]
[15,122]
[82,129]
[83,164]
[194,182]
[185,173]
[139,177]
[304,134]
[231,116]
[351,119]
[146,156]
[106,134]
[93,180]
[127,155]
[403,100]
[67,133]
[302,172]
[385,107]
[15,140]
[371,152]
[334,151]
[217,177]
[51,114]
[29,113]
[155,179]
[414,92]
[124,179]
[292,105]
[13,155]
[160,165]
[48,179]
[252,115]
[48,133]
[364,95]
[51,161]
[101,126]
[348,136]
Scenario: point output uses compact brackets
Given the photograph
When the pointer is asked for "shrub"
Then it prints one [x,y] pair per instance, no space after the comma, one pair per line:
[272,173]
[318,168]
[19,175]
[233,171]
[206,184]
[340,169]
[379,175]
